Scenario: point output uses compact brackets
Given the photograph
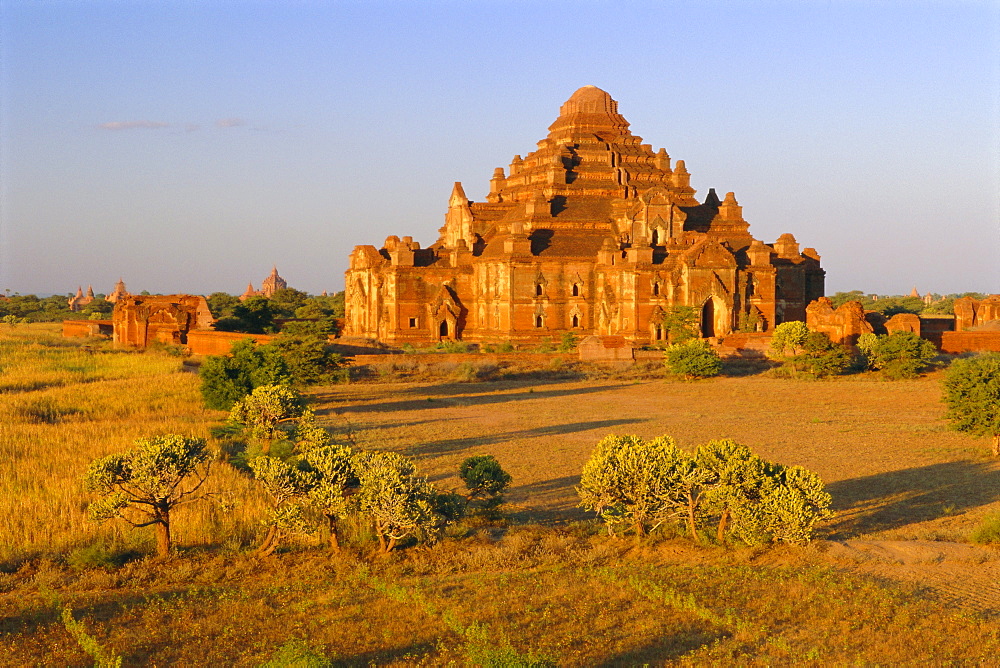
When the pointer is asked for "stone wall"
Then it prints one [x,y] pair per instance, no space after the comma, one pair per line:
[210,342]
[84,328]
[967,342]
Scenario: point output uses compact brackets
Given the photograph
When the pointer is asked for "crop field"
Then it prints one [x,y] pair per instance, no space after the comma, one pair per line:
[892,580]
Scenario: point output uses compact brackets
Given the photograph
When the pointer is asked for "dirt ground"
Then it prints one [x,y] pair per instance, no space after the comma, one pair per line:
[907,491]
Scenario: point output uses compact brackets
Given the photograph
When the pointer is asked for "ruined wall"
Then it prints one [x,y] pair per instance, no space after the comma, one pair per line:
[843,325]
[85,328]
[966,342]
[142,319]
[210,342]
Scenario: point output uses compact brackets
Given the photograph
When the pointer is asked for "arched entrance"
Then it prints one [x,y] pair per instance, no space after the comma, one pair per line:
[708,319]
[443,329]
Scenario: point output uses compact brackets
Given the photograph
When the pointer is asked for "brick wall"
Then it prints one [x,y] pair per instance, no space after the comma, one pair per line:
[210,342]
[964,342]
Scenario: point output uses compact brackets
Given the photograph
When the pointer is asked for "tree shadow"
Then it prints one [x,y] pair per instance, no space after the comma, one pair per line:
[554,502]
[668,648]
[897,498]
[455,444]
[445,401]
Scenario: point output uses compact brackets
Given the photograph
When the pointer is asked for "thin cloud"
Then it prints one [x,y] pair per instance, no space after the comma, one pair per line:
[133,125]
[230,123]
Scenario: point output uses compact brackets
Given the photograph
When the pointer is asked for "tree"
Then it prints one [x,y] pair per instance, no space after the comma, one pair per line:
[788,339]
[398,502]
[305,349]
[144,485]
[972,393]
[286,485]
[484,479]
[333,482]
[221,304]
[681,323]
[898,355]
[737,478]
[285,301]
[227,379]
[802,351]
[254,316]
[266,406]
[630,481]
[692,359]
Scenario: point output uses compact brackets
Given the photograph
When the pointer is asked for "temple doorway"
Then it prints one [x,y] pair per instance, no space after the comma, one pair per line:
[443,329]
[708,319]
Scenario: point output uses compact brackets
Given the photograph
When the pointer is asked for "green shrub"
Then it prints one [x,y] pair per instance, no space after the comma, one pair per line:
[692,359]
[227,379]
[898,355]
[484,478]
[808,353]
[972,392]
[988,530]
[297,654]
[681,323]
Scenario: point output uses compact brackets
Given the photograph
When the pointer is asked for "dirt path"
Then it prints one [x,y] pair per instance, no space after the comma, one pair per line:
[966,576]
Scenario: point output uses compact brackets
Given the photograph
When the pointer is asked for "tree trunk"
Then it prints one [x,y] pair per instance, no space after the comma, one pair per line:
[691,524]
[381,537]
[270,542]
[163,536]
[723,522]
[996,445]
[334,539]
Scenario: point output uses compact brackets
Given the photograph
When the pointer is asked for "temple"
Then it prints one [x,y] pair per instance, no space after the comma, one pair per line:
[593,233]
[268,286]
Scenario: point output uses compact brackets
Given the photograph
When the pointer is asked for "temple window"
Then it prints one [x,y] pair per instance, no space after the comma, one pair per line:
[538,321]
[576,289]
[656,289]
[576,321]
[538,289]
[413,322]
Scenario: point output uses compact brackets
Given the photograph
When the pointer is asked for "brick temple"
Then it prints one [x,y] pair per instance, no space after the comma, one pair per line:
[593,233]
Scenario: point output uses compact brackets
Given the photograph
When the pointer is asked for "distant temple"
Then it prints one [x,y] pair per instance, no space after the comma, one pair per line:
[118,293]
[593,233]
[268,287]
[78,301]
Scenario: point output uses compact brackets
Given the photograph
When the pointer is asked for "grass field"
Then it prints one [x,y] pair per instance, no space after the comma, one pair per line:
[887,588]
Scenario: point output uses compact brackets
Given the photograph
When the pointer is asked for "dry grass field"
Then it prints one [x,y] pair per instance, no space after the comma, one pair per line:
[894,582]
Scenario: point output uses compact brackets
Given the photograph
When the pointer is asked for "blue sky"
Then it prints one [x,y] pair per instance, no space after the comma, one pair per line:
[189,146]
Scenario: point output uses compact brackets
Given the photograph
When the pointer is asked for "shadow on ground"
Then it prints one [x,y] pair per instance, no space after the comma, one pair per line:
[897,498]
[445,396]
[457,444]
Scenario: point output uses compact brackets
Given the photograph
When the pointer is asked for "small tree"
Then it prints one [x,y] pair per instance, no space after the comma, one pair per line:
[398,502]
[265,407]
[286,485]
[629,481]
[333,482]
[788,339]
[484,479]
[144,485]
[568,342]
[692,359]
[737,477]
[681,323]
[227,379]
[972,393]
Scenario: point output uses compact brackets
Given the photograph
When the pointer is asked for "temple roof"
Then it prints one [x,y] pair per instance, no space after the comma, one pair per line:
[590,110]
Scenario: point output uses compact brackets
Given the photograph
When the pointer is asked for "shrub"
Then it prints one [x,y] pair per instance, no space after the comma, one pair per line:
[804,352]
[484,479]
[265,407]
[227,379]
[692,359]
[972,393]
[568,342]
[898,355]
[988,530]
